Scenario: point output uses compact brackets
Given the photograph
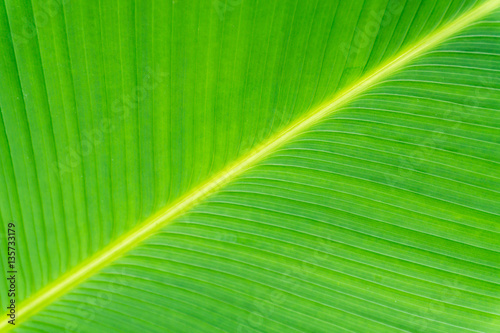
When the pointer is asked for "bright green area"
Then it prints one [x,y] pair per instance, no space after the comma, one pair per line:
[383,217]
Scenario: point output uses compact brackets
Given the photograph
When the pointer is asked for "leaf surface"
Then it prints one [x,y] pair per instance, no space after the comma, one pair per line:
[275,166]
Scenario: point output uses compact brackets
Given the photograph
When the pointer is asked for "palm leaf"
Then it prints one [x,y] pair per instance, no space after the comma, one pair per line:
[251,166]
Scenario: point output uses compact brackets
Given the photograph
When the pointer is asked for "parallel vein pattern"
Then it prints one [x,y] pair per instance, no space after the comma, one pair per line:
[112,110]
[399,234]
[381,217]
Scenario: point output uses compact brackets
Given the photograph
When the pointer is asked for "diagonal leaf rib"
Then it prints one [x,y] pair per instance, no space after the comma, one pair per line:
[165,216]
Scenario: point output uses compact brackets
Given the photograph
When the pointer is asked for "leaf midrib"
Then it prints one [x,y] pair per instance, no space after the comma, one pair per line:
[131,239]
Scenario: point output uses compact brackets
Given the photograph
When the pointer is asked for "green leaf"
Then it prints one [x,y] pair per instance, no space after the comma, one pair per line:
[250,166]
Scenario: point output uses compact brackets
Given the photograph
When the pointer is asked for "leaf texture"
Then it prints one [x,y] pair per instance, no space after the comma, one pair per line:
[379,215]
